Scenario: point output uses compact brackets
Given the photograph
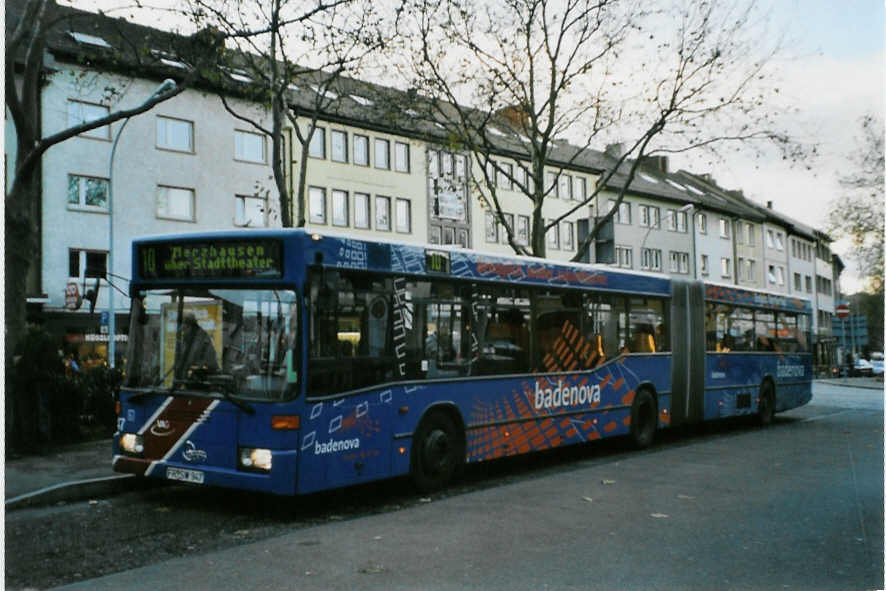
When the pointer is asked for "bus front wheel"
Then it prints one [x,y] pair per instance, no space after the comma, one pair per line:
[644,419]
[436,452]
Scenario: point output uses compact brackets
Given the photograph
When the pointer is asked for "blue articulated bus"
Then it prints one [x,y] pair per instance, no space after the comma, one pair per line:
[289,362]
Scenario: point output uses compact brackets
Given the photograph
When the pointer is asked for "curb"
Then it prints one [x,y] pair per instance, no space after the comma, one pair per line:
[76,490]
[852,384]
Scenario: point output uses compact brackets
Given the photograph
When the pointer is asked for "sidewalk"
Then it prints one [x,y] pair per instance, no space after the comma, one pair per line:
[69,473]
[871,383]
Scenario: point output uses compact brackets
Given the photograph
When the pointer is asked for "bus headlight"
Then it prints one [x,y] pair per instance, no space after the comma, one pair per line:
[132,443]
[256,459]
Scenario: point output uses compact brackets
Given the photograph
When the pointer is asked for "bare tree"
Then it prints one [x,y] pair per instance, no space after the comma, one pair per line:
[290,57]
[858,214]
[25,74]
[535,74]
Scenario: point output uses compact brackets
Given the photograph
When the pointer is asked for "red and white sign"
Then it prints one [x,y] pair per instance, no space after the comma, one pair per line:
[72,296]
[842,311]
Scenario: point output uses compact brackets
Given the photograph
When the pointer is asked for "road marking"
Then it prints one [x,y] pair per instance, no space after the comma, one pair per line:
[826,416]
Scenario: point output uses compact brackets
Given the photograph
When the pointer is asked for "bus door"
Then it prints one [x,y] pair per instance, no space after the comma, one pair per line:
[345,424]
[688,346]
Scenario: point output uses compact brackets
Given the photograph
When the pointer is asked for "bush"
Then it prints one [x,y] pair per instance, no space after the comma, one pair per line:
[46,407]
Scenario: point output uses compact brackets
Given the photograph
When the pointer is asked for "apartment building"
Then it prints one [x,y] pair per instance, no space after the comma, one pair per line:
[189,165]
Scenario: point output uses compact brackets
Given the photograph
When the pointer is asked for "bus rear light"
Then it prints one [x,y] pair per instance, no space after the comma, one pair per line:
[285,422]
[118,408]
[403,410]
[402,450]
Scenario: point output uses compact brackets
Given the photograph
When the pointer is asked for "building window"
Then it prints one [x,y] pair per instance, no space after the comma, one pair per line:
[404,216]
[506,176]
[679,262]
[650,217]
[568,236]
[623,215]
[770,274]
[779,241]
[491,227]
[579,188]
[175,203]
[798,282]
[522,229]
[85,264]
[725,267]
[361,210]
[650,259]
[317,145]
[340,208]
[779,275]
[382,154]
[249,147]
[724,228]
[701,221]
[361,150]
[554,237]
[508,224]
[551,186]
[770,238]
[749,234]
[175,134]
[672,220]
[682,221]
[460,167]
[808,283]
[401,157]
[87,192]
[250,211]
[565,189]
[338,141]
[80,112]
[382,213]
[317,205]
[752,270]
[624,257]
[704,265]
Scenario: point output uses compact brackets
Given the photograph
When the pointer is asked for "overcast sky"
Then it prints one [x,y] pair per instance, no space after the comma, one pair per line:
[834,75]
[832,71]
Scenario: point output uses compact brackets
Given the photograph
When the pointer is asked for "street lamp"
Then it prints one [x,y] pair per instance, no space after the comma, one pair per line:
[166,86]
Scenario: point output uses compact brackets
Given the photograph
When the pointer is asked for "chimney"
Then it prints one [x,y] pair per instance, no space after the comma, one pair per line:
[615,150]
[515,115]
[658,163]
[768,205]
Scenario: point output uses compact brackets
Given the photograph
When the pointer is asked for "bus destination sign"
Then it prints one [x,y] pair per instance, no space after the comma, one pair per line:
[223,259]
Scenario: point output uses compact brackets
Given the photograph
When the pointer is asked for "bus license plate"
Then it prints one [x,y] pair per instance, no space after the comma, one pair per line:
[183,475]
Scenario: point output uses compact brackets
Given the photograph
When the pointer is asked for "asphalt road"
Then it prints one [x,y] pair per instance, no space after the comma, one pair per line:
[795,506]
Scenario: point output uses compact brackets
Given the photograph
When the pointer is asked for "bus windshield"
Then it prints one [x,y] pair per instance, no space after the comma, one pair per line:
[234,342]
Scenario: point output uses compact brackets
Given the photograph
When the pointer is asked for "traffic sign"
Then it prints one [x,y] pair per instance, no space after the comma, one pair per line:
[842,311]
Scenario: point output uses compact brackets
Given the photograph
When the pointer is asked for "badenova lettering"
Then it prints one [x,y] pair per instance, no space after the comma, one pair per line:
[569,396]
[333,446]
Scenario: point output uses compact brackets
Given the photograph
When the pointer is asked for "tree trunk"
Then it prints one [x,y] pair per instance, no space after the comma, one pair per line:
[19,235]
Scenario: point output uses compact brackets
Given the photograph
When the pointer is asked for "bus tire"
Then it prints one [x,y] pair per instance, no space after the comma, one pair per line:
[766,406]
[644,419]
[436,452]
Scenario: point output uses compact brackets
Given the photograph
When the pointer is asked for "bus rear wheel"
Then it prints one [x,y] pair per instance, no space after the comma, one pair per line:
[436,452]
[766,406]
[644,419]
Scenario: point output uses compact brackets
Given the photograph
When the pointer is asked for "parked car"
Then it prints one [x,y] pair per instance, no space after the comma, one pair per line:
[861,367]
[877,364]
